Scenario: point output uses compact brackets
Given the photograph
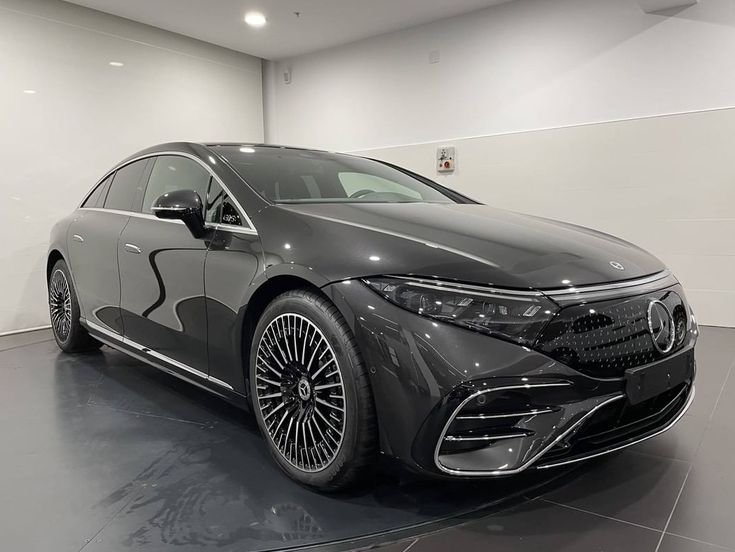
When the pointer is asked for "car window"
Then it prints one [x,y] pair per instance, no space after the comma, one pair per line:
[97,197]
[286,175]
[220,208]
[125,186]
[360,184]
[171,173]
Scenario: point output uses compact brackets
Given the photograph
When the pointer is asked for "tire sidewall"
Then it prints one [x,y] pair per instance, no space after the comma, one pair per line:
[296,304]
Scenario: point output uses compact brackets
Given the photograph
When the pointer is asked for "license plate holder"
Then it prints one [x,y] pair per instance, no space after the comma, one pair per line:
[645,382]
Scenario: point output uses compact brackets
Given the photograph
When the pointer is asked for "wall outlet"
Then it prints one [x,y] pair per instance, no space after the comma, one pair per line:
[445,159]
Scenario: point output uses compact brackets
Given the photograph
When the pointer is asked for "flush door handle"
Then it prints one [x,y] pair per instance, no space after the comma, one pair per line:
[132,248]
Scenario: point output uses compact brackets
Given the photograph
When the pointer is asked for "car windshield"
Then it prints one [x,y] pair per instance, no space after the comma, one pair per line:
[301,176]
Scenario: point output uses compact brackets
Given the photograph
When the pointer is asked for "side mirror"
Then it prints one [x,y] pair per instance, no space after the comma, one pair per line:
[184,205]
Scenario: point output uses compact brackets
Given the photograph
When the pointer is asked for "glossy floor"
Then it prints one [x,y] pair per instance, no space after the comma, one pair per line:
[101,452]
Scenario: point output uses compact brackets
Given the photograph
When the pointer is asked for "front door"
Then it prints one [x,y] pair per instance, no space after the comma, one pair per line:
[162,272]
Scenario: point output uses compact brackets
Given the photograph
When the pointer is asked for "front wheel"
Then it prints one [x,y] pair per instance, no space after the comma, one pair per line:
[70,335]
[311,393]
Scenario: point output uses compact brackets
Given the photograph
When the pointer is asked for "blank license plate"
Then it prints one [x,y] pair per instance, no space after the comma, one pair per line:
[645,382]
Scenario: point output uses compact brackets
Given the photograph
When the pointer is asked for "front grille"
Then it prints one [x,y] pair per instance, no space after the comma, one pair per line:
[605,338]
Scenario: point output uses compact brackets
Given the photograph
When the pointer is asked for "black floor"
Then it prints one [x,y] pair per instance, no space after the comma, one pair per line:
[100,452]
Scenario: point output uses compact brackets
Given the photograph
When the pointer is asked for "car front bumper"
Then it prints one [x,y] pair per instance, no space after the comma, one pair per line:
[454,402]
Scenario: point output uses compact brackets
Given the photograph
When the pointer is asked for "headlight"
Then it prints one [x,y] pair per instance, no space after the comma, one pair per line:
[514,315]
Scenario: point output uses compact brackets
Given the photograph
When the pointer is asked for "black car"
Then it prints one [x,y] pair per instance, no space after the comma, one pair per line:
[361,309]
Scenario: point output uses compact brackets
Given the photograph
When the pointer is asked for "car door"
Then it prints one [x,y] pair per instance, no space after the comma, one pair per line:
[162,272]
[92,244]
[234,259]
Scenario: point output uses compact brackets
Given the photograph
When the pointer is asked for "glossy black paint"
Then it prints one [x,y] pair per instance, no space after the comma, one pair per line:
[194,298]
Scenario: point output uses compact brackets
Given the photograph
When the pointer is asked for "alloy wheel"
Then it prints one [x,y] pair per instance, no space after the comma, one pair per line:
[300,392]
[60,305]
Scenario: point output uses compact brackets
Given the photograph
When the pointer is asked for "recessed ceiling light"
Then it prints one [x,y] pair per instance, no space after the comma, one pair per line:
[117,63]
[255,19]
[29,91]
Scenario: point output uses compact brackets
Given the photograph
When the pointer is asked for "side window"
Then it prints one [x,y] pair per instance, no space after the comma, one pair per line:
[125,186]
[220,209]
[213,203]
[97,197]
[171,173]
[230,214]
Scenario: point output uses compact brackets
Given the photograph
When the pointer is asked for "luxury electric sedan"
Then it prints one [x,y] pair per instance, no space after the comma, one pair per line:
[360,309]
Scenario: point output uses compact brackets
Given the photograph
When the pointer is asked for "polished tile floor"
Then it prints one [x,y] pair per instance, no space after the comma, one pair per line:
[103,453]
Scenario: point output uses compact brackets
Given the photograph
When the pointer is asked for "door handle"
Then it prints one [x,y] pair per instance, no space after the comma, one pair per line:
[132,248]
[77,237]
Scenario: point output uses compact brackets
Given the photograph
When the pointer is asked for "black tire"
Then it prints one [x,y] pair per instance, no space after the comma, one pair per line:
[70,335]
[333,462]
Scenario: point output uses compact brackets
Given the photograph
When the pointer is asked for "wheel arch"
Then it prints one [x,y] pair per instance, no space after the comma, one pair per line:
[54,256]
[259,301]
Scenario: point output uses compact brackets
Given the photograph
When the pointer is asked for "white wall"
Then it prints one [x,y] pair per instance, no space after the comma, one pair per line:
[87,115]
[667,183]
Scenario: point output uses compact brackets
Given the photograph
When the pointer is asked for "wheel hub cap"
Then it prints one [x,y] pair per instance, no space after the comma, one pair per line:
[304,389]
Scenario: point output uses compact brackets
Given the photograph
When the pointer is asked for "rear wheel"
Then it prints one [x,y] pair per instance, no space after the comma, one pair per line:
[64,312]
[311,393]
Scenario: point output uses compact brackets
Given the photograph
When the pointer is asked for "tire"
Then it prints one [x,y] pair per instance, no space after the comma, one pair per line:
[319,439]
[70,335]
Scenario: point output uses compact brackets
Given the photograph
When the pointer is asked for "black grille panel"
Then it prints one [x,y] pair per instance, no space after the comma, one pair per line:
[604,339]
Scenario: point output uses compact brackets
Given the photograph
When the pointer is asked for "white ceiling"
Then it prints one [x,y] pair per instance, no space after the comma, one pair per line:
[322,23]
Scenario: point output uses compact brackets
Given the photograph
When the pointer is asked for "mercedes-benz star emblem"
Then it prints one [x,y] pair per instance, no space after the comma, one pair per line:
[661,326]
[304,390]
[616,264]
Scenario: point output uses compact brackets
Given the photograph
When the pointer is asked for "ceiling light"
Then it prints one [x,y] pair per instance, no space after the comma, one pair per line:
[255,19]
[247,149]
[29,91]
[117,63]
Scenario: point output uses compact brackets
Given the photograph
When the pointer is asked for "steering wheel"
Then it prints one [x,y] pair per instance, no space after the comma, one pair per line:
[360,193]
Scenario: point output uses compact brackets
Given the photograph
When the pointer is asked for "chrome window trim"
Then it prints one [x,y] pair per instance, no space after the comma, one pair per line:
[155,354]
[249,229]
[667,427]
[212,225]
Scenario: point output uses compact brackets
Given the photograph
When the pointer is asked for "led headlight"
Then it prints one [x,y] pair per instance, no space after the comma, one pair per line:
[518,316]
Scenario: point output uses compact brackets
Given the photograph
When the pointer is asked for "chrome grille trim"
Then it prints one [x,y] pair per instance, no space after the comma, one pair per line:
[455,438]
[534,412]
[457,410]
[626,445]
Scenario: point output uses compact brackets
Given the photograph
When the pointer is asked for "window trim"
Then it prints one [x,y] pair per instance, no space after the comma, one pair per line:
[249,229]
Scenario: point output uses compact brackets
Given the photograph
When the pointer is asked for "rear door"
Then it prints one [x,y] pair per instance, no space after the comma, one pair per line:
[162,272]
[92,244]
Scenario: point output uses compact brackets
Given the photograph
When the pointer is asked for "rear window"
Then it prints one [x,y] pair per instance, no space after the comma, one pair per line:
[299,176]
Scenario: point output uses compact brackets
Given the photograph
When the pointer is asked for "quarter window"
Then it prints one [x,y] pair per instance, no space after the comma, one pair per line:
[220,208]
[97,197]
[126,186]
[171,173]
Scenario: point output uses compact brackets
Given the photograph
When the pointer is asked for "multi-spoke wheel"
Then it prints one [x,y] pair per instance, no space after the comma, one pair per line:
[310,391]
[64,312]
[59,300]
[300,393]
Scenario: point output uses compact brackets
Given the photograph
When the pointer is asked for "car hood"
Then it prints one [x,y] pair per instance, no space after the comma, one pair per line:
[464,242]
